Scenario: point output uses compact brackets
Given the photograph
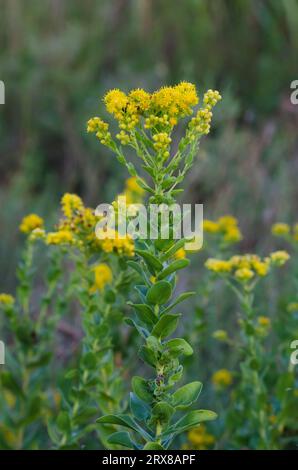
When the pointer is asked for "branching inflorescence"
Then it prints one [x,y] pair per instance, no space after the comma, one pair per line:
[146,124]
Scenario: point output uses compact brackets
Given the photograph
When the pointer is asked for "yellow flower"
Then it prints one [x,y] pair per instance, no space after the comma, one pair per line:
[132,185]
[210,227]
[141,99]
[60,238]
[102,276]
[279,258]
[222,378]
[110,241]
[71,204]
[232,235]
[264,321]
[280,229]
[6,300]
[218,265]
[180,254]
[227,221]
[260,267]
[116,101]
[30,222]
[220,335]
[244,274]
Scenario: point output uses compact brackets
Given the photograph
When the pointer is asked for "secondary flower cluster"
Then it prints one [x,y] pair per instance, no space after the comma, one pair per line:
[77,227]
[247,267]
[286,231]
[160,112]
[226,227]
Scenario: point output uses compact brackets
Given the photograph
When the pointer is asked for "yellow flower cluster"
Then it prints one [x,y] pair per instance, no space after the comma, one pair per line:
[161,144]
[201,122]
[161,111]
[285,231]
[220,335]
[226,227]
[246,267]
[61,237]
[199,439]
[222,378]
[37,234]
[264,321]
[102,276]
[6,300]
[100,128]
[110,242]
[31,222]
[71,205]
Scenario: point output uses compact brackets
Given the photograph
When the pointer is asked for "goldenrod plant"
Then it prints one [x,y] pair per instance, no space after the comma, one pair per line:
[250,419]
[147,123]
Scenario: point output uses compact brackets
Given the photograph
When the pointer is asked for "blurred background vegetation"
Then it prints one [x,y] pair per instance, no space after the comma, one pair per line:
[57,59]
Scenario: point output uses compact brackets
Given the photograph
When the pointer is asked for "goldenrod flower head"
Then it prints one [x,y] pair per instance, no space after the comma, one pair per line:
[210,227]
[71,204]
[180,254]
[227,221]
[110,241]
[211,97]
[161,143]
[132,185]
[30,222]
[244,274]
[218,265]
[260,267]
[62,237]
[141,99]
[232,235]
[6,300]
[102,276]
[279,258]
[222,378]
[116,102]
[220,335]
[264,321]
[280,229]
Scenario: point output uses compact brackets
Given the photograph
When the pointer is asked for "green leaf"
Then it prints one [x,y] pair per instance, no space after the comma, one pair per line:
[173,249]
[179,346]
[85,415]
[173,267]
[159,293]
[166,325]
[135,266]
[63,421]
[153,263]
[178,300]
[190,420]
[142,331]
[153,446]
[139,408]
[186,395]
[141,389]
[148,356]
[121,420]
[122,438]
[162,413]
[145,313]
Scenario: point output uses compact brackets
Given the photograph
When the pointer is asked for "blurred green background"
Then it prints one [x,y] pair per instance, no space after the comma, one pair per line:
[57,59]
